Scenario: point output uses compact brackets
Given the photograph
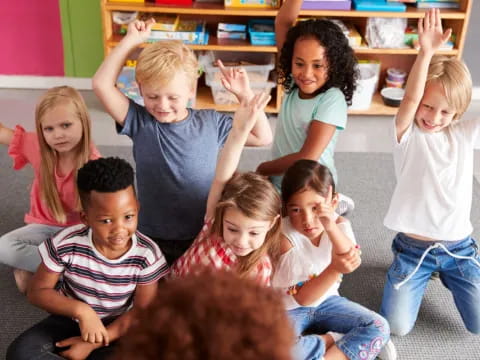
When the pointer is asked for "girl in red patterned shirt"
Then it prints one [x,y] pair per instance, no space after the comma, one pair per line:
[242,221]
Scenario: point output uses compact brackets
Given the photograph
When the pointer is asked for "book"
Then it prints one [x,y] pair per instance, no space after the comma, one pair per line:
[189,31]
[378,5]
[162,22]
[326,5]
[438,4]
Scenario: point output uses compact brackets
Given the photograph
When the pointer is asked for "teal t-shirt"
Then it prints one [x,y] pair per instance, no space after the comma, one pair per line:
[295,117]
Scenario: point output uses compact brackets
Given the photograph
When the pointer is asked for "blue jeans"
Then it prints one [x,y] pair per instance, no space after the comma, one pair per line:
[38,342]
[459,272]
[365,332]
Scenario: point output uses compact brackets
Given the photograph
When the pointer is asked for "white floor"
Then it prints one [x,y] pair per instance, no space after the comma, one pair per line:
[363,133]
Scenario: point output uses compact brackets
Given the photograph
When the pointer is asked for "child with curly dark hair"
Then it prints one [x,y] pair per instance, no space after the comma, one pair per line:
[317,68]
[109,270]
[214,316]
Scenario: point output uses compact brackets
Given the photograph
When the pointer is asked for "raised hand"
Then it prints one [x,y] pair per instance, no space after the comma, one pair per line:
[92,329]
[235,80]
[430,33]
[325,210]
[248,111]
[139,30]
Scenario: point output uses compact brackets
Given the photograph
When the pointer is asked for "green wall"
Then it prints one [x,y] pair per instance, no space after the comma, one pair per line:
[82,36]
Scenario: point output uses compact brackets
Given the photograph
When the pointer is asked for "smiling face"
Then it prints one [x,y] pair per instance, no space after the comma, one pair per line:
[302,210]
[112,216]
[168,103]
[61,128]
[243,234]
[434,113]
[309,66]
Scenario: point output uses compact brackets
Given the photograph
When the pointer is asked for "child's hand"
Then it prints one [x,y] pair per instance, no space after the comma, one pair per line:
[92,329]
[77,348]
[139,30]
[430,32]
[326,212]
[247,113]
[348,262]
[235,80]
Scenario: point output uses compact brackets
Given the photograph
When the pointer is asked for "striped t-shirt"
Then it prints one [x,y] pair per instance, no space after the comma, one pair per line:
[106,285]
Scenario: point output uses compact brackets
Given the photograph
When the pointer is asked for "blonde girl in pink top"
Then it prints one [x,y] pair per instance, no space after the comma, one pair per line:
[60,146]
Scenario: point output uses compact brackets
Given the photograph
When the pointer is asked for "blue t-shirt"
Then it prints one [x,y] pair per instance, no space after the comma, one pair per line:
[294,120]
[175,166]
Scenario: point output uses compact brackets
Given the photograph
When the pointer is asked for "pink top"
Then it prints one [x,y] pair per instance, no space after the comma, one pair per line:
[25,149]
[211,251]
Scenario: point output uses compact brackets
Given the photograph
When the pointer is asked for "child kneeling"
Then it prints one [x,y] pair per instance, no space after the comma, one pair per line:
[108,268]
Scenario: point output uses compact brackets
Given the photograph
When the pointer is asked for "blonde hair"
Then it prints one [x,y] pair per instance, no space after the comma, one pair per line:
[160,61]
[60,96]
[455,79]
[258,199]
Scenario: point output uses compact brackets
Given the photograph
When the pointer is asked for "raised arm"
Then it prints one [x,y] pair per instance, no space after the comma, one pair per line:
[235,80]
[105,78]
[243,122]
[431,37]
[6,135]
[286,17]
[42,293]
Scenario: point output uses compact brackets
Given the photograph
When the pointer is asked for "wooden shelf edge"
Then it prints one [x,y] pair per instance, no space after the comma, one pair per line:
[220,9]
[377,107]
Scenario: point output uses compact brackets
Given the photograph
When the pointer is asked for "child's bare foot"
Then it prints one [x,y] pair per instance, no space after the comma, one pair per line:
[22,278]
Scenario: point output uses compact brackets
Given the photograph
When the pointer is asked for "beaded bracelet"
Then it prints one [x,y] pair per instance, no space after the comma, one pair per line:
[293,290]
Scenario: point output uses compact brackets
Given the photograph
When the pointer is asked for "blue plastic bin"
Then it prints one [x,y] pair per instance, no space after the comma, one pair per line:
[261,37]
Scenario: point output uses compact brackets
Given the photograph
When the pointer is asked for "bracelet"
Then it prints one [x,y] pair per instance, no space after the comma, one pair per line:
[293,290]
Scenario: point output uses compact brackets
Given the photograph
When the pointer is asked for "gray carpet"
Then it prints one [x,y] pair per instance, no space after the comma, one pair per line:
[369,179]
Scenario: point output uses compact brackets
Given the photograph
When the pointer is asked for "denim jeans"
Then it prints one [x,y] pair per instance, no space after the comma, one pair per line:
[19,248]
[38,342]
[459,272]
[365,332]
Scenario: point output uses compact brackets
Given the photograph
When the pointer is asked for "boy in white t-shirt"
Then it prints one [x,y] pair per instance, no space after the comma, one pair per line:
[430,207]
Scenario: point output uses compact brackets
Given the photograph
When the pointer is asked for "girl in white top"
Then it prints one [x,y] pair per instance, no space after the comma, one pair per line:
[317,247]
[430,207]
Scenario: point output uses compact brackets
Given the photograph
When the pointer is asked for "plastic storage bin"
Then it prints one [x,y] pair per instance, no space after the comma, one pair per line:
[221,96]
[260,33]
[366,86]
[259,72]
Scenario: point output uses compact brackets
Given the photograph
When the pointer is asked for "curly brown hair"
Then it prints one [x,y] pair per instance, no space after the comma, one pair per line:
[210,315]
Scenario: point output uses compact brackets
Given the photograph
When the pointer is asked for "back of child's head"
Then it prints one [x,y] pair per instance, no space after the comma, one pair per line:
[211,315]
[257,199]
[306,174]
[455,79]
[103,175]
[158,63]
[64,96]
[340,56]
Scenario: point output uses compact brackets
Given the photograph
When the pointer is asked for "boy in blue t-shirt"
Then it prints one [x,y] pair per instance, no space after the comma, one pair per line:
[175,147]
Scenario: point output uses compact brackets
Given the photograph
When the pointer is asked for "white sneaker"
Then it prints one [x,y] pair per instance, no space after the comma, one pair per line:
[388,352]
[345,204]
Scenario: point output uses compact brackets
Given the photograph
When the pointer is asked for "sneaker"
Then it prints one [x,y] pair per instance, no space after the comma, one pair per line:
[435,275]
[388,352]
[22,278]
[345,204]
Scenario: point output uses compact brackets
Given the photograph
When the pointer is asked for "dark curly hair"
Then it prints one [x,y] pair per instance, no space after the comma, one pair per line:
[103,175]
[210,315]
[306,174]
[342,72]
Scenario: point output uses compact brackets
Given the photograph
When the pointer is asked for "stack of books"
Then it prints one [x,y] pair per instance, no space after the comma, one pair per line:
[443,4]
[232,31]
[189,31]
[326,4]
[378,5]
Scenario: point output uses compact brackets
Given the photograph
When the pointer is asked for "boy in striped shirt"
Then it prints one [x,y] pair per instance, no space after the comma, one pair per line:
[108,268]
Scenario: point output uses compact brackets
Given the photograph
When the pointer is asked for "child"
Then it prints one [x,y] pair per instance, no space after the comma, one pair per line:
[317,69]
[175,147]
[430,207]
[217,316]
[109,270]
[317,247]
[60,147]
[242,222]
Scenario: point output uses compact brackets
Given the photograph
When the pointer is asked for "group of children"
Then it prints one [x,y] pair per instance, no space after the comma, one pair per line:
[279,226]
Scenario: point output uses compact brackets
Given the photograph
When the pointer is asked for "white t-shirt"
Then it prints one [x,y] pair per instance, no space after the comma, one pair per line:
[303,260]
[434,172]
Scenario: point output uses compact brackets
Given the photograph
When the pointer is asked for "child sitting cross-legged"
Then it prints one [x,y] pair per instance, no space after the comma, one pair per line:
[109,270]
